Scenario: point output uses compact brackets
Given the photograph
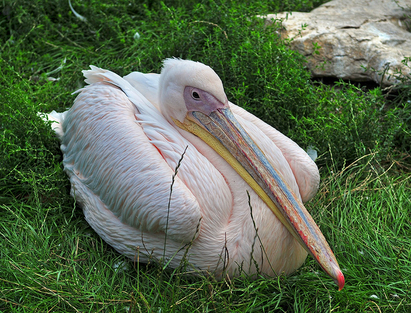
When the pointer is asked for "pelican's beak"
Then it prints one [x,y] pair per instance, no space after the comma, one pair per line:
[221,131]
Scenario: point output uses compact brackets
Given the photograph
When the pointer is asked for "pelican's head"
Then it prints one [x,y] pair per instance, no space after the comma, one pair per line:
[192,97]
[187,86]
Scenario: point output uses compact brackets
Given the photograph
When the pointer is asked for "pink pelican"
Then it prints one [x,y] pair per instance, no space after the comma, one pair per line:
[165,167]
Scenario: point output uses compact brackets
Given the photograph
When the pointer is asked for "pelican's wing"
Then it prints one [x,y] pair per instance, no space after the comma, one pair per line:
[146,84]
[303,167]
[115,145]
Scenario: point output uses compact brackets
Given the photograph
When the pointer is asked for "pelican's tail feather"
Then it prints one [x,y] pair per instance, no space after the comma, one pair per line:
[57,121]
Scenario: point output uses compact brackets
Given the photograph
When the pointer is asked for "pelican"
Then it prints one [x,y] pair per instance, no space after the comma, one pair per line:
[166,168]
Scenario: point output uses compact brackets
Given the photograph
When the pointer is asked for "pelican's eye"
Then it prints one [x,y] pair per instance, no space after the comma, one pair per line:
[195,95]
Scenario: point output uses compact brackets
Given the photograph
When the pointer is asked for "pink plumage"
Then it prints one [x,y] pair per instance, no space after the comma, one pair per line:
[121,148]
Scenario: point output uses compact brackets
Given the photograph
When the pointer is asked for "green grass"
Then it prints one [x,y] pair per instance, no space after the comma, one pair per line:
[52,261]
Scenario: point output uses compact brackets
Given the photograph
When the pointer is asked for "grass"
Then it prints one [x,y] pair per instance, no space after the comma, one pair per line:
[52,261]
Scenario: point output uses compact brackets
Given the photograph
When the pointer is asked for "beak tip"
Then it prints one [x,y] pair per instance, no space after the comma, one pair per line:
[340,281]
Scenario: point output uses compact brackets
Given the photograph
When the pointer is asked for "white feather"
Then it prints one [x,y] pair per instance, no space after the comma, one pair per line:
[121,152]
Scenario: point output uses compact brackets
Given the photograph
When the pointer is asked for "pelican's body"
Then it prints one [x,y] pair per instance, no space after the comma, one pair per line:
[122,143]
